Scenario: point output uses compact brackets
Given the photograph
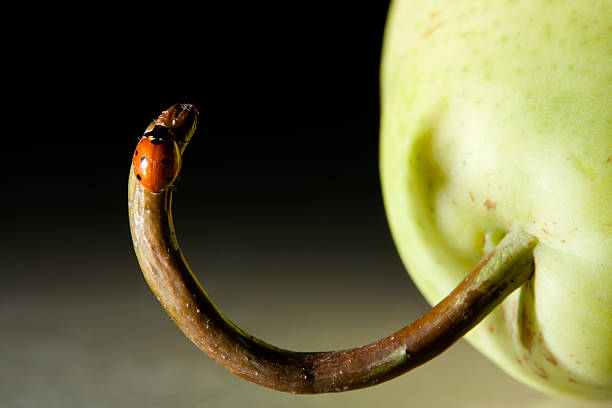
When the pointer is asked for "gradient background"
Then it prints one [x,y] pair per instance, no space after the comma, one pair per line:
[278,209]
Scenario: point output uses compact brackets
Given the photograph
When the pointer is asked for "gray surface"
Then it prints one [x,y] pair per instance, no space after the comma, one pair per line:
[85,331]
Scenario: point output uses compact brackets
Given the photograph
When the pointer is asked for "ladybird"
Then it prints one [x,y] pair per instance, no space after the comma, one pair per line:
[157,159]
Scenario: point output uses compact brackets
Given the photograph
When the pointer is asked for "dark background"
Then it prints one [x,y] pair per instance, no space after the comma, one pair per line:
[278,208]
[289,105]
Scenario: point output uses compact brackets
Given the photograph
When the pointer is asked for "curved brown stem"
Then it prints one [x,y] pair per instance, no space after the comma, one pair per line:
[167,273]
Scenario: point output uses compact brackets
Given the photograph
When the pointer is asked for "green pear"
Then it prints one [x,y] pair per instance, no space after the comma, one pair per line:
[497,115]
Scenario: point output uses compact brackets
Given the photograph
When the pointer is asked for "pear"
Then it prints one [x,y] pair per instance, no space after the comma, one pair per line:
[497,116]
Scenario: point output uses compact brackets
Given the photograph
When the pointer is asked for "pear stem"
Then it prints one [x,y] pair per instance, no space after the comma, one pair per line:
[166,271]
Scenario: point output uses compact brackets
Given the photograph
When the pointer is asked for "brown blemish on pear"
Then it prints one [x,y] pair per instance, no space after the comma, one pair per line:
[490,205]
[433,29]
[540,371]
[550,357]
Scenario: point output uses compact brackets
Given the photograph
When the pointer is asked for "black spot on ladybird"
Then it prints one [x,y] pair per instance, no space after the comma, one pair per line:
[138,177]
[136,153]
[165,160]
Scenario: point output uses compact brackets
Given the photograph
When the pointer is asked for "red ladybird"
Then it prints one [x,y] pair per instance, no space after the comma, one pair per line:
[157,159]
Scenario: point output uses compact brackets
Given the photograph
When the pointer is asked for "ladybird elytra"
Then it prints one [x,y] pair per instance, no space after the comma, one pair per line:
[156,163]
